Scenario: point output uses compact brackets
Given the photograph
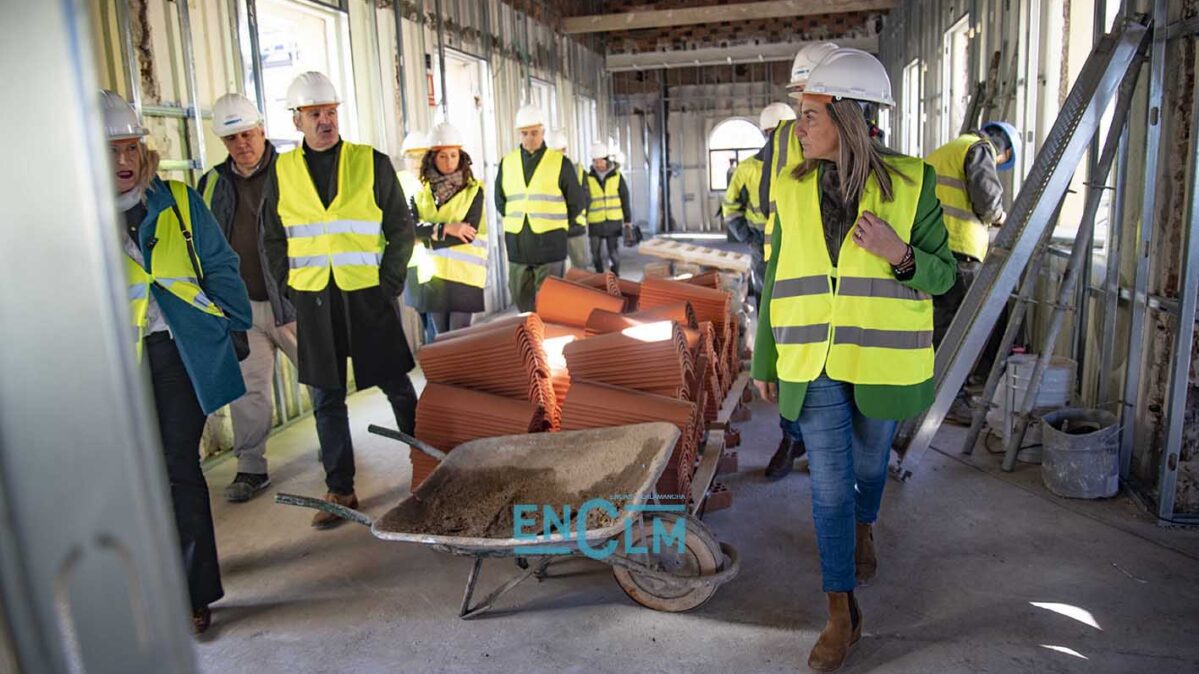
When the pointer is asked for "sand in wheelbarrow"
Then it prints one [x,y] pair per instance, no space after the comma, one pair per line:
[478,503]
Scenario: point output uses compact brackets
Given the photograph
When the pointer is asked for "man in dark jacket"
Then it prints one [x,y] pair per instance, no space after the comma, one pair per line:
[338,233]
[608,211]
[537,207]
[233,191]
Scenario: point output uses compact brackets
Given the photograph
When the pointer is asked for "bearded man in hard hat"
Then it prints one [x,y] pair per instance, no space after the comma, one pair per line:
[576,236]
[233,191]
[784,153]
[608,210]
[338,234]
[741,208]
[537,193]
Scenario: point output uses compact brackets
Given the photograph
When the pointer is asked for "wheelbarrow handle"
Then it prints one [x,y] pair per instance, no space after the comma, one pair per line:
[408,440]
[343,512]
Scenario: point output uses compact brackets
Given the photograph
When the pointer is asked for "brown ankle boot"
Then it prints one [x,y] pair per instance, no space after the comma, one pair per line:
[864,557]
[324,520]
[843,629]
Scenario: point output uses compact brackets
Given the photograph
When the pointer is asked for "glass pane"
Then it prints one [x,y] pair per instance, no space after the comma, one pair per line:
[735,133]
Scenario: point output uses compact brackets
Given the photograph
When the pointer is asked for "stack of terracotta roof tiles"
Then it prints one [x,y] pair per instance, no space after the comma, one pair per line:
[712,307]
[611,283]
[653,358]
[594,405]
[505,359]
[447,416]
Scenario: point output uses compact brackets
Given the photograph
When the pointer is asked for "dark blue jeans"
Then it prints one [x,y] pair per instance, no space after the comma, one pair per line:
[847,457]
[333,428]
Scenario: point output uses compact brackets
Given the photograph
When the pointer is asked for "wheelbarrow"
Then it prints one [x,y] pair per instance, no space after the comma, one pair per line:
[544,498]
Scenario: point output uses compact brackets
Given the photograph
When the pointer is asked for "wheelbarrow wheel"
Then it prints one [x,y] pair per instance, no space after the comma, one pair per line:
[701,556]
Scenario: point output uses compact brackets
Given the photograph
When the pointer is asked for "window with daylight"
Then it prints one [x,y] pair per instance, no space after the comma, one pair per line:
[912,113]
[731,141]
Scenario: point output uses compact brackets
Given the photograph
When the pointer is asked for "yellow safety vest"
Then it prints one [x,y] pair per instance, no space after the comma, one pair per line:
[786,155]
[540,200]
[748,175]
[605,199]
[170,266]
[967,234]
[871,329]
[465,263]
[346,238]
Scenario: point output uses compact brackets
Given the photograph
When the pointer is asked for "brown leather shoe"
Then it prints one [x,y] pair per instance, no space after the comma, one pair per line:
[201,620]
[324,520]
[783,460]
[865,558]
[843,629]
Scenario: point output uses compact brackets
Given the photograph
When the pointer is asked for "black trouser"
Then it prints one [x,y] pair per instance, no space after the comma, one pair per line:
[333,428]
[946,306]
[444,321]
[180,425]
[757,255]
[613,245]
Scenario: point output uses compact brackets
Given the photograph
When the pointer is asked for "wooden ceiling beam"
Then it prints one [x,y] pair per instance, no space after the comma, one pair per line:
[745,11]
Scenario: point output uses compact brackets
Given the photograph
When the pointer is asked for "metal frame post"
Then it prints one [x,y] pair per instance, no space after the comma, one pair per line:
[445,111]
[1184,334]
[1136,335]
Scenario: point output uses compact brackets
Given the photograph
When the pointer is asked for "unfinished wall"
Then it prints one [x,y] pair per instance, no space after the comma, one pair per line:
[1165,280]
[694,99]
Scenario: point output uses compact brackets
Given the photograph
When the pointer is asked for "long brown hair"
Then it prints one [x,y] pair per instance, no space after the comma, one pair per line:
[859,156]
[149,168]
[428,170]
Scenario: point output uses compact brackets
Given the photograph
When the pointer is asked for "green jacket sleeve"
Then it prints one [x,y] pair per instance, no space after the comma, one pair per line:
[936,267]
[765,363]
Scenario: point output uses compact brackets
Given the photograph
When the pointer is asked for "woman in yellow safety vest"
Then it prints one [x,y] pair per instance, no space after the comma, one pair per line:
[450,258]
[844,341]
[185,295]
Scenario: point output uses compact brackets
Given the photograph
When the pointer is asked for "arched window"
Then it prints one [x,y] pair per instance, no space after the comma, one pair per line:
[731,141]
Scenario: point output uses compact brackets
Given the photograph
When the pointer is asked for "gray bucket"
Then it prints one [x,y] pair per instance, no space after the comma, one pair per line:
[1081,453]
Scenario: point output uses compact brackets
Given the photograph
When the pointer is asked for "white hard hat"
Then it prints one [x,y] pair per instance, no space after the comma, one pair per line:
[556,140]
[853,74]
[415,141]
[311,88]
[234,113]
[444,135]
[120,120]
[529,116]
[773,114]
[807,58]
[600,150]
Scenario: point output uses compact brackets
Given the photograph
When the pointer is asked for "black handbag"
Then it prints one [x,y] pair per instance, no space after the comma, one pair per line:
[241,341]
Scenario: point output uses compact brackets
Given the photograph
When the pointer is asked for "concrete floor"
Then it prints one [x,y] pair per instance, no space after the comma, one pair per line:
[965,553]
[981,571]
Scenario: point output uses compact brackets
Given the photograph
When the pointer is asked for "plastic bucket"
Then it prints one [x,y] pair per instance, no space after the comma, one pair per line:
[1053,394]
[1081,454]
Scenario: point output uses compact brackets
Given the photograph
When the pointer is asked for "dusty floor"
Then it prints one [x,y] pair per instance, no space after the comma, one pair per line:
[981,571]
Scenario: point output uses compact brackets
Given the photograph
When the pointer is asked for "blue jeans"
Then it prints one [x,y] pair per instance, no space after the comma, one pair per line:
[790,430]
[847,457]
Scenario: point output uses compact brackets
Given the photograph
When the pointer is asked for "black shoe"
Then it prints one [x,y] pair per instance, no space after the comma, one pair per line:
[245,486]
[783,460]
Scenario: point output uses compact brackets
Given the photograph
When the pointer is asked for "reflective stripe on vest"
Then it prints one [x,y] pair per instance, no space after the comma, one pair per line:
[541,200]
[967,234]
[170,266]
[605,199]
[465,263]
[346,239]
[866,327]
